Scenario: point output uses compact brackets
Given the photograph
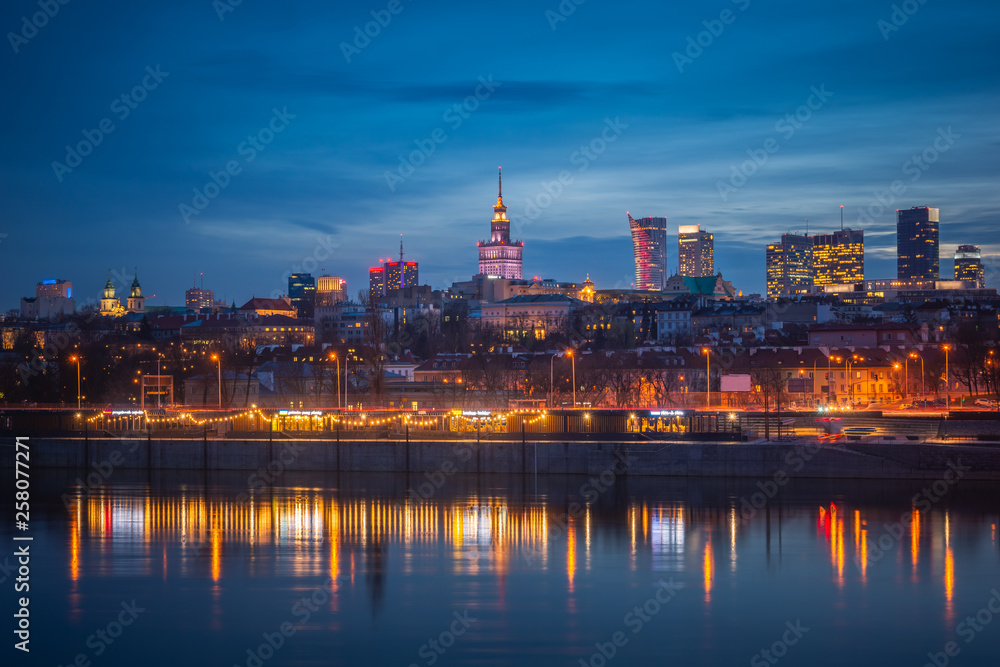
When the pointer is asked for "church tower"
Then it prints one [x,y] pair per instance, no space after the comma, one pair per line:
[136,301]
[110,305]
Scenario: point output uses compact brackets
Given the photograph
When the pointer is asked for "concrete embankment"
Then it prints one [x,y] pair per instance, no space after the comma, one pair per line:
[802,458]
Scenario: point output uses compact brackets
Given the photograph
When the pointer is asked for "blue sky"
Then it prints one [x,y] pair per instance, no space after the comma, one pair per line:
[319,187]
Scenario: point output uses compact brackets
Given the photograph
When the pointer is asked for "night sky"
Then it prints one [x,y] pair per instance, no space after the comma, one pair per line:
[347,116]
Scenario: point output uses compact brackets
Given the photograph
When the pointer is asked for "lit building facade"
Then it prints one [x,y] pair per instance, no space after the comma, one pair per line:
[53,298]
[969,265]
[196,298]
[330,290]
[302,293]
[111,306]
[839,258]
[393,275]
[917,245]
[789,266]
[500,256]
[649,245]
[696,252]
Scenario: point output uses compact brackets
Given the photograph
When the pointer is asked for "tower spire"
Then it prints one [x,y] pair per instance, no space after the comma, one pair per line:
[401,251]
[500,182]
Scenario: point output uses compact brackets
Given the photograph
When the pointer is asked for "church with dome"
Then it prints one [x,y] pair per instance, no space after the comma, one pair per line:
[111,305]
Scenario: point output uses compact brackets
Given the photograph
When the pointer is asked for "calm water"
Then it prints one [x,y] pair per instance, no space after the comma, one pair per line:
[499,572]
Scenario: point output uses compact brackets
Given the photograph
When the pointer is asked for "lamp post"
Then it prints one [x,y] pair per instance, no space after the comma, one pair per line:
[159,391]
[708,377]
[572,358]
[76,358]
[906,371]
[347,359]
[830,385]
[947,382]
[334,357]
[218,358]
[552,360]
[923,393]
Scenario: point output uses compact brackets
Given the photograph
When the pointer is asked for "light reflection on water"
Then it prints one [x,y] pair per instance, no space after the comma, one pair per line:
[546,577]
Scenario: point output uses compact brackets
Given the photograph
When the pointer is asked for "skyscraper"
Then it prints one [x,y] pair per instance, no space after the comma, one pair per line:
[917,251]
[789,266]
[696,252]
[302,293]
[649,245]
[393,275]
[500,256]
[969,265]
[839,258]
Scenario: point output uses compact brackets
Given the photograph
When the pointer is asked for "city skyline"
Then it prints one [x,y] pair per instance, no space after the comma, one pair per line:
[299,198]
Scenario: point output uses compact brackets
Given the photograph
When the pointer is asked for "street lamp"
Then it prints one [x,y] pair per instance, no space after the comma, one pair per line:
[830,384]
[708,377]
[218,358]
[76,359]
[569,353]
[923,393]
[947,382]
[551,362]
[333,357]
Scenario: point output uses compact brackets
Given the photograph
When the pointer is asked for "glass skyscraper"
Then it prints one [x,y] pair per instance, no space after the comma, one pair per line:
[790,266]
[302,293]
[695,252]
[969,265]
[839,258]
[649,245]
[917,250]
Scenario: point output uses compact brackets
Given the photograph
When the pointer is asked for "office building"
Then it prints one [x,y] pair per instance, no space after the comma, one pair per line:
[393,275]
[649,245]
[302,293]
[53,298]
[839,258]
[500,256]
[197,298]
[917,250]
[696,252]
[789,266]
[969,265]
[330,290]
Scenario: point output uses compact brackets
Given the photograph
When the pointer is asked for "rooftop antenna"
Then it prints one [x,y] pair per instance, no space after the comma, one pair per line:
[500,181]
[841,217]
[400,249]
[807,226]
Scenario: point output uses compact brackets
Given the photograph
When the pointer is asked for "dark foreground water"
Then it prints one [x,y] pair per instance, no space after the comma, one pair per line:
[354,570]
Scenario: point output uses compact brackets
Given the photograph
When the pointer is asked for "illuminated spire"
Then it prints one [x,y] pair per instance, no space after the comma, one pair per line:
[500,206]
